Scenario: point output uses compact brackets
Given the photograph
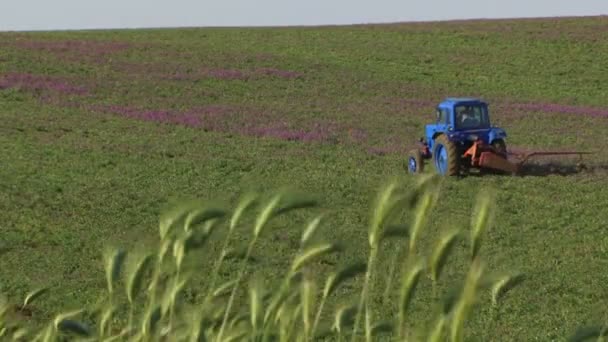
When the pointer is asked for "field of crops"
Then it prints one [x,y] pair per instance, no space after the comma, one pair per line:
[102,130]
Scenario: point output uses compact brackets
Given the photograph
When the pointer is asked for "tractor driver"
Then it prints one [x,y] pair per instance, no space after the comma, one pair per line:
[466,118]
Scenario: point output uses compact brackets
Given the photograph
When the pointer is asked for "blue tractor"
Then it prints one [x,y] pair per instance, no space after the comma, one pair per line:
[461,137]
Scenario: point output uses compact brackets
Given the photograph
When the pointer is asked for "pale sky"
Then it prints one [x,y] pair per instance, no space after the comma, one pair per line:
[99,14]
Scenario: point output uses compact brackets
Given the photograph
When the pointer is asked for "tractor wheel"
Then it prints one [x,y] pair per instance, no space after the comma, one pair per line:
[445,157]
[500,147]
[415,163]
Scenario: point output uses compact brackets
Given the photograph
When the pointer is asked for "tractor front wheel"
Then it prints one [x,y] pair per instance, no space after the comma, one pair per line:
[415,163]
[445,156]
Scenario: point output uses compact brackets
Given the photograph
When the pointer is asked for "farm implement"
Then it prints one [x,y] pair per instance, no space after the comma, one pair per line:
[462,138]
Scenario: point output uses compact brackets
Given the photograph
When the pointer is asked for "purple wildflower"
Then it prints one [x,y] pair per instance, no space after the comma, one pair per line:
[33,82]
[561,109]
[279,73]
[226,74]
[76,50]
[195,118]
[357,135]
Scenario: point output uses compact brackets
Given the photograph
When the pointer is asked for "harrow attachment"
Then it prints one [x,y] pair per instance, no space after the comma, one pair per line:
[483,156]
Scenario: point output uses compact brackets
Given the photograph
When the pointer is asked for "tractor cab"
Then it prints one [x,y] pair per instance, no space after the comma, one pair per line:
[463,121]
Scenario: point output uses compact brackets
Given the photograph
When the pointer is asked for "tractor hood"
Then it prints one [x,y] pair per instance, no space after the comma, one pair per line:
[487,135]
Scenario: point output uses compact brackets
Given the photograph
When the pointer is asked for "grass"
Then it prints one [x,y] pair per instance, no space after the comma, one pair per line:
[285,313]
[103,130]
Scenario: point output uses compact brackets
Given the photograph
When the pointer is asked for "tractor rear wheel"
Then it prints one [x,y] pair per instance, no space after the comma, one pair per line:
[415,163]
[500,147]
[445,156]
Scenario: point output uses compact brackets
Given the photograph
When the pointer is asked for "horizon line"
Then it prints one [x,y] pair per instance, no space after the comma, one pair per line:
[312,26]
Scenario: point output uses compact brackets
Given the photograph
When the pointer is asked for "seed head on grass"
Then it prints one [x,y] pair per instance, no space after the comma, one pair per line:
[382,327]
[202,215]
[344,317]
[388,202]
[64,323]
[428,199]
[283,202]
[335,279]
[468,298]
[171,294]
[106,316]
[408,288]
[136,277]
[171,218]
[19,334]
[307,298]
[482,219]
[312,253]
[589,333]
[255,303]
[223,289]
[198,324]
[114,260]
[437,333]
[441,252]
[150,321]
[30,297]
[247,201]
[505,284]
[286,304]
[310,230]
[179,252]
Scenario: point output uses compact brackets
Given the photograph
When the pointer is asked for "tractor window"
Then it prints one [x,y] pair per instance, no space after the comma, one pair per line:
[442,115]
[471,116]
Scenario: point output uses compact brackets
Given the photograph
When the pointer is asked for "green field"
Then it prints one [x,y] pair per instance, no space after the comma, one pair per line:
[102,130]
